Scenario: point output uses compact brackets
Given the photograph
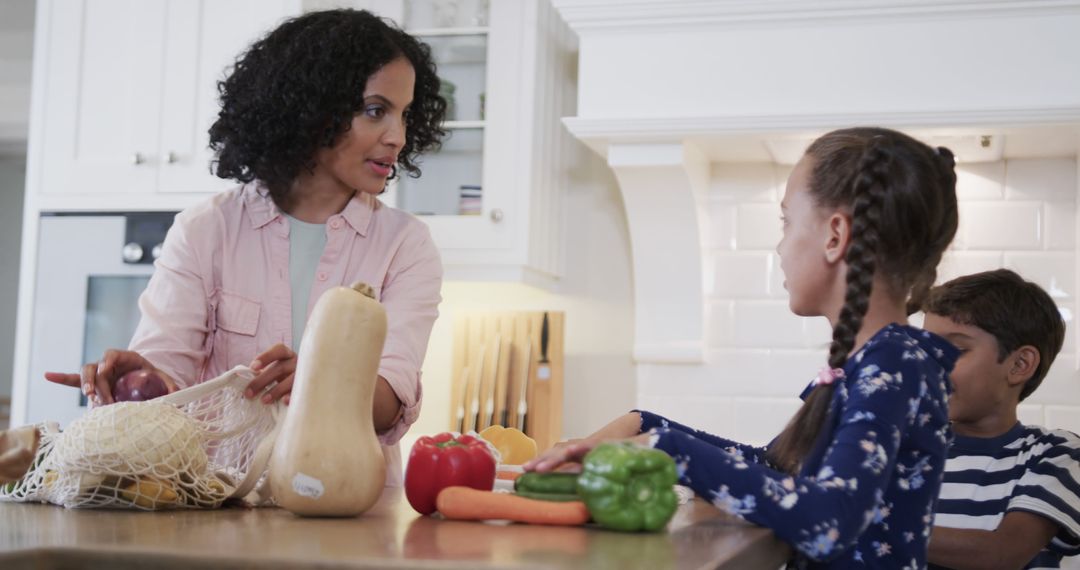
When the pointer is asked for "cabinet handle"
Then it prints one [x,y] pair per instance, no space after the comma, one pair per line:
[172,157]
[496,215]
[138,158]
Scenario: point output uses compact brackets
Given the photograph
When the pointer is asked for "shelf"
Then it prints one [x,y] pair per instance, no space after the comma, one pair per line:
[464,124]
[430,32]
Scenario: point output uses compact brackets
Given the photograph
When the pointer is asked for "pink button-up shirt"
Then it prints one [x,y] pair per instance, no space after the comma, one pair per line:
[220,291]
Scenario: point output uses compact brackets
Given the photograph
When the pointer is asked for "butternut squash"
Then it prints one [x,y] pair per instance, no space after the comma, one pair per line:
[327,460]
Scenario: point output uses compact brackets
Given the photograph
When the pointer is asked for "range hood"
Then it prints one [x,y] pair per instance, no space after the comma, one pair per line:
[670,89]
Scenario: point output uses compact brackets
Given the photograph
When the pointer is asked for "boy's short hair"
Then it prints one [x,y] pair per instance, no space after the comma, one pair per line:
[1016,312]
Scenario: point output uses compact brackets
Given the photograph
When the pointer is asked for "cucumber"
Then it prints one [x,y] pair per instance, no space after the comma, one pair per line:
[547,483]
[555,497]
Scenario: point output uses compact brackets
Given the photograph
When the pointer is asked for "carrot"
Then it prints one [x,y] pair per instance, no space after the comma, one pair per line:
[507,475]
[466,503]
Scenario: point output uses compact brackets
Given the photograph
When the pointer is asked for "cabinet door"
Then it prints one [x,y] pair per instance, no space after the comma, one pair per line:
[102,95]
[220,31]
[469,190]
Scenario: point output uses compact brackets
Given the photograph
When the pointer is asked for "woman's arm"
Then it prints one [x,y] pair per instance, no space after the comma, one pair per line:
[411,295]
[174,327]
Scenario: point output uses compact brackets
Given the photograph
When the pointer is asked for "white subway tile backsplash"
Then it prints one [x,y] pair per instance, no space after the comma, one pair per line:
[1060,225]
[1051,179]
[744,182]
[1031,414]
[1055,272]
[759,420]
[776,278]
[771,324]
[728,372]
[721,323]
[1001,225]
[741,275]
[958,263]
[758,226]
[721,232]
[709,414]
[1061,385]
[980,180]
[1068,314]
[1063,417]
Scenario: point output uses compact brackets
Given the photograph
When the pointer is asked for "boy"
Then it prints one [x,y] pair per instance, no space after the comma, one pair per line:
[1011,493]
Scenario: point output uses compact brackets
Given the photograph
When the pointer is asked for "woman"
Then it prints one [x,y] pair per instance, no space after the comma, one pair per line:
[315,118]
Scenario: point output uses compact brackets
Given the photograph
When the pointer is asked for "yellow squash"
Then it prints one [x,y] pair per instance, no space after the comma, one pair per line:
[327,460]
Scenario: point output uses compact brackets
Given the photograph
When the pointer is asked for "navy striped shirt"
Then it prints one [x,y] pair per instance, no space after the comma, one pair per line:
[1029,468]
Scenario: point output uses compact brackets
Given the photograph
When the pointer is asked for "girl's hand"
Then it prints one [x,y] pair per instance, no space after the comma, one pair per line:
[98,378]
[568,455]
[565,452]
[275,366]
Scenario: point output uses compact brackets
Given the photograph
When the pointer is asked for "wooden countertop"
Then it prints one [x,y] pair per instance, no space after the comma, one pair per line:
[391,535]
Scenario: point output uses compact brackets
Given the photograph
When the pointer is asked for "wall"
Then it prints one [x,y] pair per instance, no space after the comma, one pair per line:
[12,173]
[1019,214]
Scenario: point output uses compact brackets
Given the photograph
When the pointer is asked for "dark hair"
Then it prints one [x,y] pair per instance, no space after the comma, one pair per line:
[297,89]
[1016,312]
[902,198]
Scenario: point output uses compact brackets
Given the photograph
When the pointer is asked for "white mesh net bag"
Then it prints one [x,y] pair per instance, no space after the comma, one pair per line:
[194,448]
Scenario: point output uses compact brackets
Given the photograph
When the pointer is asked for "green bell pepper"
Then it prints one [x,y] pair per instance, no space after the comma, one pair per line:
[628,487]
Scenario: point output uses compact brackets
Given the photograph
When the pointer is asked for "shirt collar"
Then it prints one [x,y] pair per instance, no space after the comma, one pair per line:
[262,210]
[358,211]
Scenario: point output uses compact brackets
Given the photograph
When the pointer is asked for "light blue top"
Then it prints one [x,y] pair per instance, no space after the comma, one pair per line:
[306,245]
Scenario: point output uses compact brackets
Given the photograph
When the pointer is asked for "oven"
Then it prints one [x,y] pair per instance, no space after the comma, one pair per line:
[90,271]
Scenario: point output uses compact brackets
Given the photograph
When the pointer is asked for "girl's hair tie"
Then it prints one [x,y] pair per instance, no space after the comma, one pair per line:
[828,375]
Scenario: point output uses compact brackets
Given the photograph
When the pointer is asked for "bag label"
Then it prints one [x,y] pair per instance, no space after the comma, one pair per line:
[307,486]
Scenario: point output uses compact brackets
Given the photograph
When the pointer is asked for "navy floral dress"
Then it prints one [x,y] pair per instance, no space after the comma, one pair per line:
[865,496]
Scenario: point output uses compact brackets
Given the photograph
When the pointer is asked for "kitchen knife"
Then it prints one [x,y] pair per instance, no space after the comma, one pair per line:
[543,366]
[472,406]
[523,389]
[487,414]
[459,419]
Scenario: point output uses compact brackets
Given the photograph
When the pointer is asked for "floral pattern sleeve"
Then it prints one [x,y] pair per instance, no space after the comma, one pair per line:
[650,421]
[875,462]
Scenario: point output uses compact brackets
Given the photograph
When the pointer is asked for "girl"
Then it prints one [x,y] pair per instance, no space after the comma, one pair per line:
[852,479]
[315,118]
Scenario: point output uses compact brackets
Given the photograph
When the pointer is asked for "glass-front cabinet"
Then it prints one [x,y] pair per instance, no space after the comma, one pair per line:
[452,181]
[492,194]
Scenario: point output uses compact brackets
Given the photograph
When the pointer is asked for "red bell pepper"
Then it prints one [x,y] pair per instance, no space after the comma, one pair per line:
[446,460]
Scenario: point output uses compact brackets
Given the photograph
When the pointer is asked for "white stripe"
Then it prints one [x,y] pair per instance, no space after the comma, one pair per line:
[951,520]
[981,463]
[976,492]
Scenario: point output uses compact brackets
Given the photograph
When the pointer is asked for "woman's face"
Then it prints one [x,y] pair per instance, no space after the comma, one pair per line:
[363,157]
[802,247]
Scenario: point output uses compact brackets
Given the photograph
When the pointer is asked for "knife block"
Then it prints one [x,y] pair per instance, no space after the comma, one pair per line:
[497,373]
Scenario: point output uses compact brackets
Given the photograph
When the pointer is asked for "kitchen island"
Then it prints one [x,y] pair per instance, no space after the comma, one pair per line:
[391,535]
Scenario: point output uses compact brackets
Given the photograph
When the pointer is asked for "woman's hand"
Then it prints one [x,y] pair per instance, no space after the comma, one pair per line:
[276,366]
[97,379]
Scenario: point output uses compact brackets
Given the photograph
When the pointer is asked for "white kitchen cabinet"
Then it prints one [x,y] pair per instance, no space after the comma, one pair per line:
[128,88]
[509,147]
[129,92]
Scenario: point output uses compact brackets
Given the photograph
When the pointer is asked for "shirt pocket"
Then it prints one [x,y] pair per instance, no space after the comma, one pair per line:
[235,336]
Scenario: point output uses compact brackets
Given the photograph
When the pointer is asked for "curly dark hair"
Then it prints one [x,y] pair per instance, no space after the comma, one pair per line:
[298,88]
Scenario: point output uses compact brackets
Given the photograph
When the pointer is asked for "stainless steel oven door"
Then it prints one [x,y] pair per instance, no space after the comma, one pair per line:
[87,287]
